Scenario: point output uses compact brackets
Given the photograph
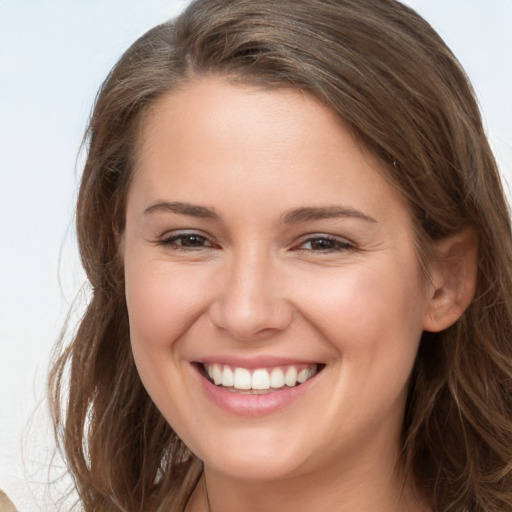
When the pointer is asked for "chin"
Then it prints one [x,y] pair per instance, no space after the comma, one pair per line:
[255,458]
[259,469]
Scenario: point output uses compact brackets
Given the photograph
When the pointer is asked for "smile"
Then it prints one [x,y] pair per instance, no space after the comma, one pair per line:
[258,380]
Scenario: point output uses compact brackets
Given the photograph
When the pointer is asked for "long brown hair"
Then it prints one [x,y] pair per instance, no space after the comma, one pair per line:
[387,74]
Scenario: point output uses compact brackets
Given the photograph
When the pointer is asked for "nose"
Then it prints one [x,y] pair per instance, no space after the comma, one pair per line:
[251,302]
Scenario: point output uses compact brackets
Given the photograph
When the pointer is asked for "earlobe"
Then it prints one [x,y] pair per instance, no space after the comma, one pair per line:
[453,276]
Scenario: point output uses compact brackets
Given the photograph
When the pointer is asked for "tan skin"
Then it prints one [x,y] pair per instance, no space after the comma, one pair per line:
[296,251]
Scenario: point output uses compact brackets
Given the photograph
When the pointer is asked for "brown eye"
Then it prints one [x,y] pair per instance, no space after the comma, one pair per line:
[191,240]
[186,241]
[323,243]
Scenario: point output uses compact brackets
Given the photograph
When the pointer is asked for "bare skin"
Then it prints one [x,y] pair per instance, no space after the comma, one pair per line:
[254,497]
[259,233]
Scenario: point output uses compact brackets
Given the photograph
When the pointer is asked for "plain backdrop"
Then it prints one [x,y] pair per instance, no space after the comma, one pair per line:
[54,54]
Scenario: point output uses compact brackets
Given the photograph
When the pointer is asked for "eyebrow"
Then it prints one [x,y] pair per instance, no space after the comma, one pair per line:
[192,210]
[296,216]
[327,212]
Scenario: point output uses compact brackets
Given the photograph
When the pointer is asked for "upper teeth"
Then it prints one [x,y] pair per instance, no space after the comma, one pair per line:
[259,378]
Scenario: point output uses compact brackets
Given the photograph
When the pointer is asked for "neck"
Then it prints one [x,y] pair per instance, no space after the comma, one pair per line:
[365,490]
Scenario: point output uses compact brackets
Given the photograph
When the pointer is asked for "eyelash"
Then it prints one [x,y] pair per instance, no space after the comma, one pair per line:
[331,243]
[335,244]
[173,242]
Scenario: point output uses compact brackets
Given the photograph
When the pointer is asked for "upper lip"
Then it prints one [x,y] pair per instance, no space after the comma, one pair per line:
[255,362]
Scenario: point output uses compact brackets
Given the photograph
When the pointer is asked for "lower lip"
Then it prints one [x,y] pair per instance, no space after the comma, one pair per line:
[255,405]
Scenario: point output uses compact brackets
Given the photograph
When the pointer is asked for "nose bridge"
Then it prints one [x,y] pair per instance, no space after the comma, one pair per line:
[251,301]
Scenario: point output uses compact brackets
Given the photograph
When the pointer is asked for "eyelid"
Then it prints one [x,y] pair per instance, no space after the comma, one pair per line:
[343,244]
[169,238]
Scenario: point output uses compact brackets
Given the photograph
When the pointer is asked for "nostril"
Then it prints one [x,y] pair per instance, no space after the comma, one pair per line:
[250,318]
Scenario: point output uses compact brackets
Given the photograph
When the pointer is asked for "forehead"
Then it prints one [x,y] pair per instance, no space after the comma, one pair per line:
[213,104]
[214,137]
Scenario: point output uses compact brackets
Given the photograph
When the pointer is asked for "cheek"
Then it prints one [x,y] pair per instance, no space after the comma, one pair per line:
[374,321]
[372,317]
[162,301]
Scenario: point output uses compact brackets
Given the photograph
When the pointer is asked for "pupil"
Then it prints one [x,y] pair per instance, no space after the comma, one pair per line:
[322,244]
[192,241]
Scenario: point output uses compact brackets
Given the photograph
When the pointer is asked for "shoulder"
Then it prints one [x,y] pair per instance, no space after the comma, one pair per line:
[6,505]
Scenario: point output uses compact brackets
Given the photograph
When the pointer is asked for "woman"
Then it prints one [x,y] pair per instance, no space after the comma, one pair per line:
[299,250]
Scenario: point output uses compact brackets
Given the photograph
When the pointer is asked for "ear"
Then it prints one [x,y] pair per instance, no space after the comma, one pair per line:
[453,277]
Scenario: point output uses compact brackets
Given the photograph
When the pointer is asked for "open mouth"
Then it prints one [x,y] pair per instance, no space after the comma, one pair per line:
[259,380]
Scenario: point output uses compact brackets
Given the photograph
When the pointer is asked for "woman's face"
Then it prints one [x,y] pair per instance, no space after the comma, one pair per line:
[264,247]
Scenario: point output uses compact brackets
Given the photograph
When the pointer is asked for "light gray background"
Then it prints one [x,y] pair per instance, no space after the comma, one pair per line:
[54,54]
